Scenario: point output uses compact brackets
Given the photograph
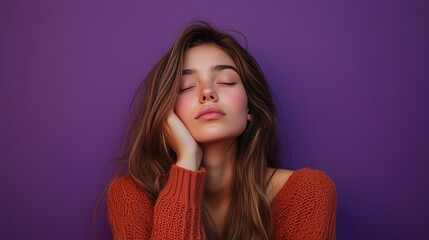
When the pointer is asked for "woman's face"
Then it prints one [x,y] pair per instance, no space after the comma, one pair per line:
[212,102]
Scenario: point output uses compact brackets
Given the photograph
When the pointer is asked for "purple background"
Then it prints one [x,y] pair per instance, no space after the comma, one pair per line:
[350,80]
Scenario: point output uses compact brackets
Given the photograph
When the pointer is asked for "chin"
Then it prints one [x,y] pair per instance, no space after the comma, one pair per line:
[204,137]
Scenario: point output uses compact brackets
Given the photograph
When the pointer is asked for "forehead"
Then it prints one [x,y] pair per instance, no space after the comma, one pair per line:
[206,55]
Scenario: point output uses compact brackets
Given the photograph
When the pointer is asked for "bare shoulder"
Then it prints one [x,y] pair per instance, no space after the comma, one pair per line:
[277,181]
[308,199]
[305,182]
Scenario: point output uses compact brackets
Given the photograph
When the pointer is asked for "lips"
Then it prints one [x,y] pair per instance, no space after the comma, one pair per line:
[209,113]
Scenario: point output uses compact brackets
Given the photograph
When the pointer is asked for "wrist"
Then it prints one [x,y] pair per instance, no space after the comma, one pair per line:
[188,161]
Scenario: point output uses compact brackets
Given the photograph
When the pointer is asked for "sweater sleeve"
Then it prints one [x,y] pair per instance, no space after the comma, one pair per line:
[176,214]
[307,208]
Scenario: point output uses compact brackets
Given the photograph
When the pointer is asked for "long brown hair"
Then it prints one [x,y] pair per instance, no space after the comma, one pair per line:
[150,157]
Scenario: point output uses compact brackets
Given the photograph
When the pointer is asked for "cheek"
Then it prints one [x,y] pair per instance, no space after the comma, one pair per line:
[238,101]
[181,107]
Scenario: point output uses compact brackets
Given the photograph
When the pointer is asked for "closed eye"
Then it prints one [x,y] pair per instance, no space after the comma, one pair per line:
[186,88]
[228,83]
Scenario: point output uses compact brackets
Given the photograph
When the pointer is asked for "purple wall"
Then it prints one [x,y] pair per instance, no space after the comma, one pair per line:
[350,80]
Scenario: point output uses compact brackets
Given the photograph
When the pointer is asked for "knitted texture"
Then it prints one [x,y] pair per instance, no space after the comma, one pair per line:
[304,208]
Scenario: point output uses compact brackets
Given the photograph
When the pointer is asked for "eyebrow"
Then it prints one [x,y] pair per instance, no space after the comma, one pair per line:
[214,69]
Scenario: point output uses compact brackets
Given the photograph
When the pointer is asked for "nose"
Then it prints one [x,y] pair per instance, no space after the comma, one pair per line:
[208,94]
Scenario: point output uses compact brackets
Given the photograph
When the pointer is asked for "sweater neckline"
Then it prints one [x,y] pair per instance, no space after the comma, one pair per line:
[285,188]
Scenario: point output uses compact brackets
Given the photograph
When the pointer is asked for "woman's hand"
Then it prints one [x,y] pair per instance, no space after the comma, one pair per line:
[188,151]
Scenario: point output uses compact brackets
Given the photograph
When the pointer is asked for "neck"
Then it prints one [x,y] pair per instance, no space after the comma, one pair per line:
[218,160]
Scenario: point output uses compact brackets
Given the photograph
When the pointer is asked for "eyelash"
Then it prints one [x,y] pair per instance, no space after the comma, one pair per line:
[182,90]
[228,84]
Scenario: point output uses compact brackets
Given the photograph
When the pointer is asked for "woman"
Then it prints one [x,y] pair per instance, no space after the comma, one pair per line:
[201,158]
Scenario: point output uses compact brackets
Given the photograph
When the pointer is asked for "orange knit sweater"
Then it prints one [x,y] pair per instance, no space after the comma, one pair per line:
[303,209]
